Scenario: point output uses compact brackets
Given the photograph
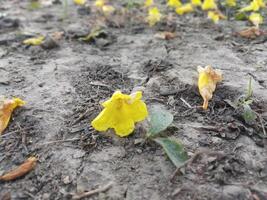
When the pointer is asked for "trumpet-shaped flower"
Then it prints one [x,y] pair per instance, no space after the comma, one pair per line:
[230,3]
[34,41]
[79,2]
[196,2]
[215,16]
[207,80]
[256,19]
[255,5]
[6,108]
[154,16]
[174,3]
[186,8]
[149,3]
[209,5]
[121,112]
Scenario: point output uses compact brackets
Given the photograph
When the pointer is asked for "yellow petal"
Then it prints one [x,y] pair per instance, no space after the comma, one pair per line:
[99,3]
[207,80]
[256,19]
[196,2]
[186,8]
[154,16]
[149,3]
[79,2]
[34,41]
[6,108]
[209,5]
[120,113]
[174,3]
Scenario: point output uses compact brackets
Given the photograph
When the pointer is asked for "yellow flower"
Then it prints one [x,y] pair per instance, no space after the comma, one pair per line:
[34,41]
[209,5]
[149,3]
[186,8]
[99,3]
[207,80]
[230,3]
[107,9]
[196,2]
[174,3]
[255,5]
[6,108]
[215,16]
[80,2]
[154,16]
[256,19]
[121,112]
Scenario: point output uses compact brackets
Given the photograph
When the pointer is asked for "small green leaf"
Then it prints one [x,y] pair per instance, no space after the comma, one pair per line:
[159,120]
[248,114]
[241,16]
[174,150]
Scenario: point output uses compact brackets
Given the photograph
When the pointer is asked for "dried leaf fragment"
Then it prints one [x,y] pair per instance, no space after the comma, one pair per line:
[251,33]
[6,108]
[20,171]
[208,78]
[165,35]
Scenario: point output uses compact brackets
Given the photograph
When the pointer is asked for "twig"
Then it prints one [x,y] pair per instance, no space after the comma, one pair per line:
[173,92]
[92,192]
[16,131]
[58,141]
[185,102]
[82,116]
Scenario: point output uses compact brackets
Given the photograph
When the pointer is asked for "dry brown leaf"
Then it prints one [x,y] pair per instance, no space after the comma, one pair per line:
[251,33]
[6,108]
[165,35]
[20,171]
[207,80]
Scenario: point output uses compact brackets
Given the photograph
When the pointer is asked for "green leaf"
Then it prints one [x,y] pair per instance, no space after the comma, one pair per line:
[174,150]
[241,16]
[248,114]
[159,119]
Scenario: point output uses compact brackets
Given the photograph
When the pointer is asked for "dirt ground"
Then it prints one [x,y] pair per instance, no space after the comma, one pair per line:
[63,87]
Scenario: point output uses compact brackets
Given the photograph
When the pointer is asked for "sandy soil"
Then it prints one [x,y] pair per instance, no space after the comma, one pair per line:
[62,84]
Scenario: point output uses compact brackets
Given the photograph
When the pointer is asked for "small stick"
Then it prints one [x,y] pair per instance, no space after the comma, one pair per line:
[82,116]
[16,131]
[57,141]
[186,103]
[92,192]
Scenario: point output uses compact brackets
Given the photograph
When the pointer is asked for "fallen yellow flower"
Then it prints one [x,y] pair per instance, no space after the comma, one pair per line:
[174,3]
[196,2]
[79,2]
[34,41]
[230,3]
[154,16]
[99,3]
[215,16]
[149,3]
[209,5]
[255,5]
[121,112]
[207,80]
[6,108]
[256,19]
[186,8]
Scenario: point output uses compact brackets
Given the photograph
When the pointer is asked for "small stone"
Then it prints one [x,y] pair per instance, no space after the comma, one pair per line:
[66,180]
